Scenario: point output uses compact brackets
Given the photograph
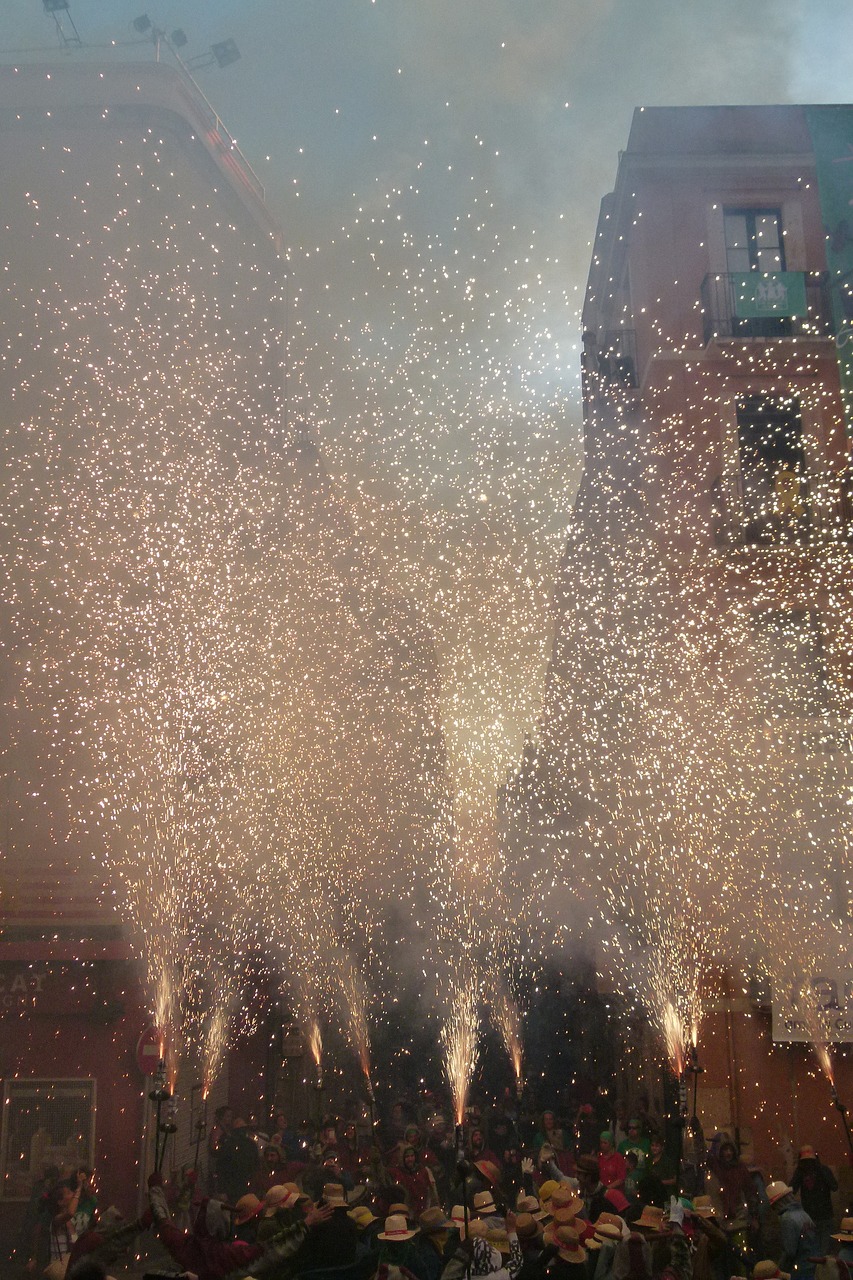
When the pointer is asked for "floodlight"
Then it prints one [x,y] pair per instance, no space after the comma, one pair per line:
[179,38]
[225,52]
[142,23]
[54,6]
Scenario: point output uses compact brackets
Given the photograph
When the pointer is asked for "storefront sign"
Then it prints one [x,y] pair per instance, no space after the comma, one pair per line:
[19,986]
[824,1014]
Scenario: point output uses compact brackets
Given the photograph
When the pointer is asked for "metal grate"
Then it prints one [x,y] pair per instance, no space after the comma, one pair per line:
[45,1122]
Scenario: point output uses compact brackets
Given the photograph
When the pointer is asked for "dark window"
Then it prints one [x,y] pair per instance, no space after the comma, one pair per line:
[772,470]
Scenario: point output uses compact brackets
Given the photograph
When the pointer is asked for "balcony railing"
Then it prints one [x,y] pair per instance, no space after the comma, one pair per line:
[791,304]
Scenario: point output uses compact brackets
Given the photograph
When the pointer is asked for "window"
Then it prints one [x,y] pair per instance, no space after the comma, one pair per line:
[754,243]
[44,1122]
[773,483]
[754,240]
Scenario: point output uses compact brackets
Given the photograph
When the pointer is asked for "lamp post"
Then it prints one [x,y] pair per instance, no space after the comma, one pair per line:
[159,1094]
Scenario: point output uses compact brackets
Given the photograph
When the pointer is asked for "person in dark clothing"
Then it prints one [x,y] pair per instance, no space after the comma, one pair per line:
[592,1190]
[657,1180]
[237,1161]
[815,1184]
[333,1243]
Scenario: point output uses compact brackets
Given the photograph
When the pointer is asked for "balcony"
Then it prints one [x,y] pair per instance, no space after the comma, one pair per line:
[766,305]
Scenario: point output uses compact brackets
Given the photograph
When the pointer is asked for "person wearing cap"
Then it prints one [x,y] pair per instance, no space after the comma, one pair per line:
[635,1141]
[814,1182]
[797,1234]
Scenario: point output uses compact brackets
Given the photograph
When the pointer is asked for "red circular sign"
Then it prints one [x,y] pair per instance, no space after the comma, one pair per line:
[148,1051]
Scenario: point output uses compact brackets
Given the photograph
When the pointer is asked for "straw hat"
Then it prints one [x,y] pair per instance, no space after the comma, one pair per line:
[399,1208]
[526,1226]
[808,1153]
[776,1190]
[768,1270]
[432,1221]
[278,1197]
[609,1220]
[845,1231]
[397,1228]
[565,1198]
[334,1195]
[457,1216]
[606,1233]
[489,1170]
[571,1249]
[703,1206]
[529,1204]
[652,1218]
[484,1203]
[361,1216]
[247,1207]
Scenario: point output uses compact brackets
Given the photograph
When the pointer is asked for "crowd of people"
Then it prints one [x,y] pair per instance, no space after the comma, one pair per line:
[505,1197]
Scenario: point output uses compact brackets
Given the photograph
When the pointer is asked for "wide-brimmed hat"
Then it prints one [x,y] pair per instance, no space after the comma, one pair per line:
[397,1228]
[247,1207]
[776,1190]
[808,1153]
[571,1249]
[484,1203]
[609,1220]
[457,1216]
[651,1219]
[399,1208]
[334,1195]
[768,1270]
[603,1234]
[279,1197]
[432,1221]
[361,1216]
[526,1226]
[703,1207]
[565,1198]
[845,1231]
[529,1204]
[489,1170]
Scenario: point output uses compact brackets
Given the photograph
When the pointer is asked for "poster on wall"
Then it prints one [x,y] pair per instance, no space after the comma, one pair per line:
[831,1005]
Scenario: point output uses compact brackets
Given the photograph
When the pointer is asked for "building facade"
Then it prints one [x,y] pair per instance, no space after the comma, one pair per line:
[700,692]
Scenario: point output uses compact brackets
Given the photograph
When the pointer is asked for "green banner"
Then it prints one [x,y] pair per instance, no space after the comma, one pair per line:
[770,293]
[831,130]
